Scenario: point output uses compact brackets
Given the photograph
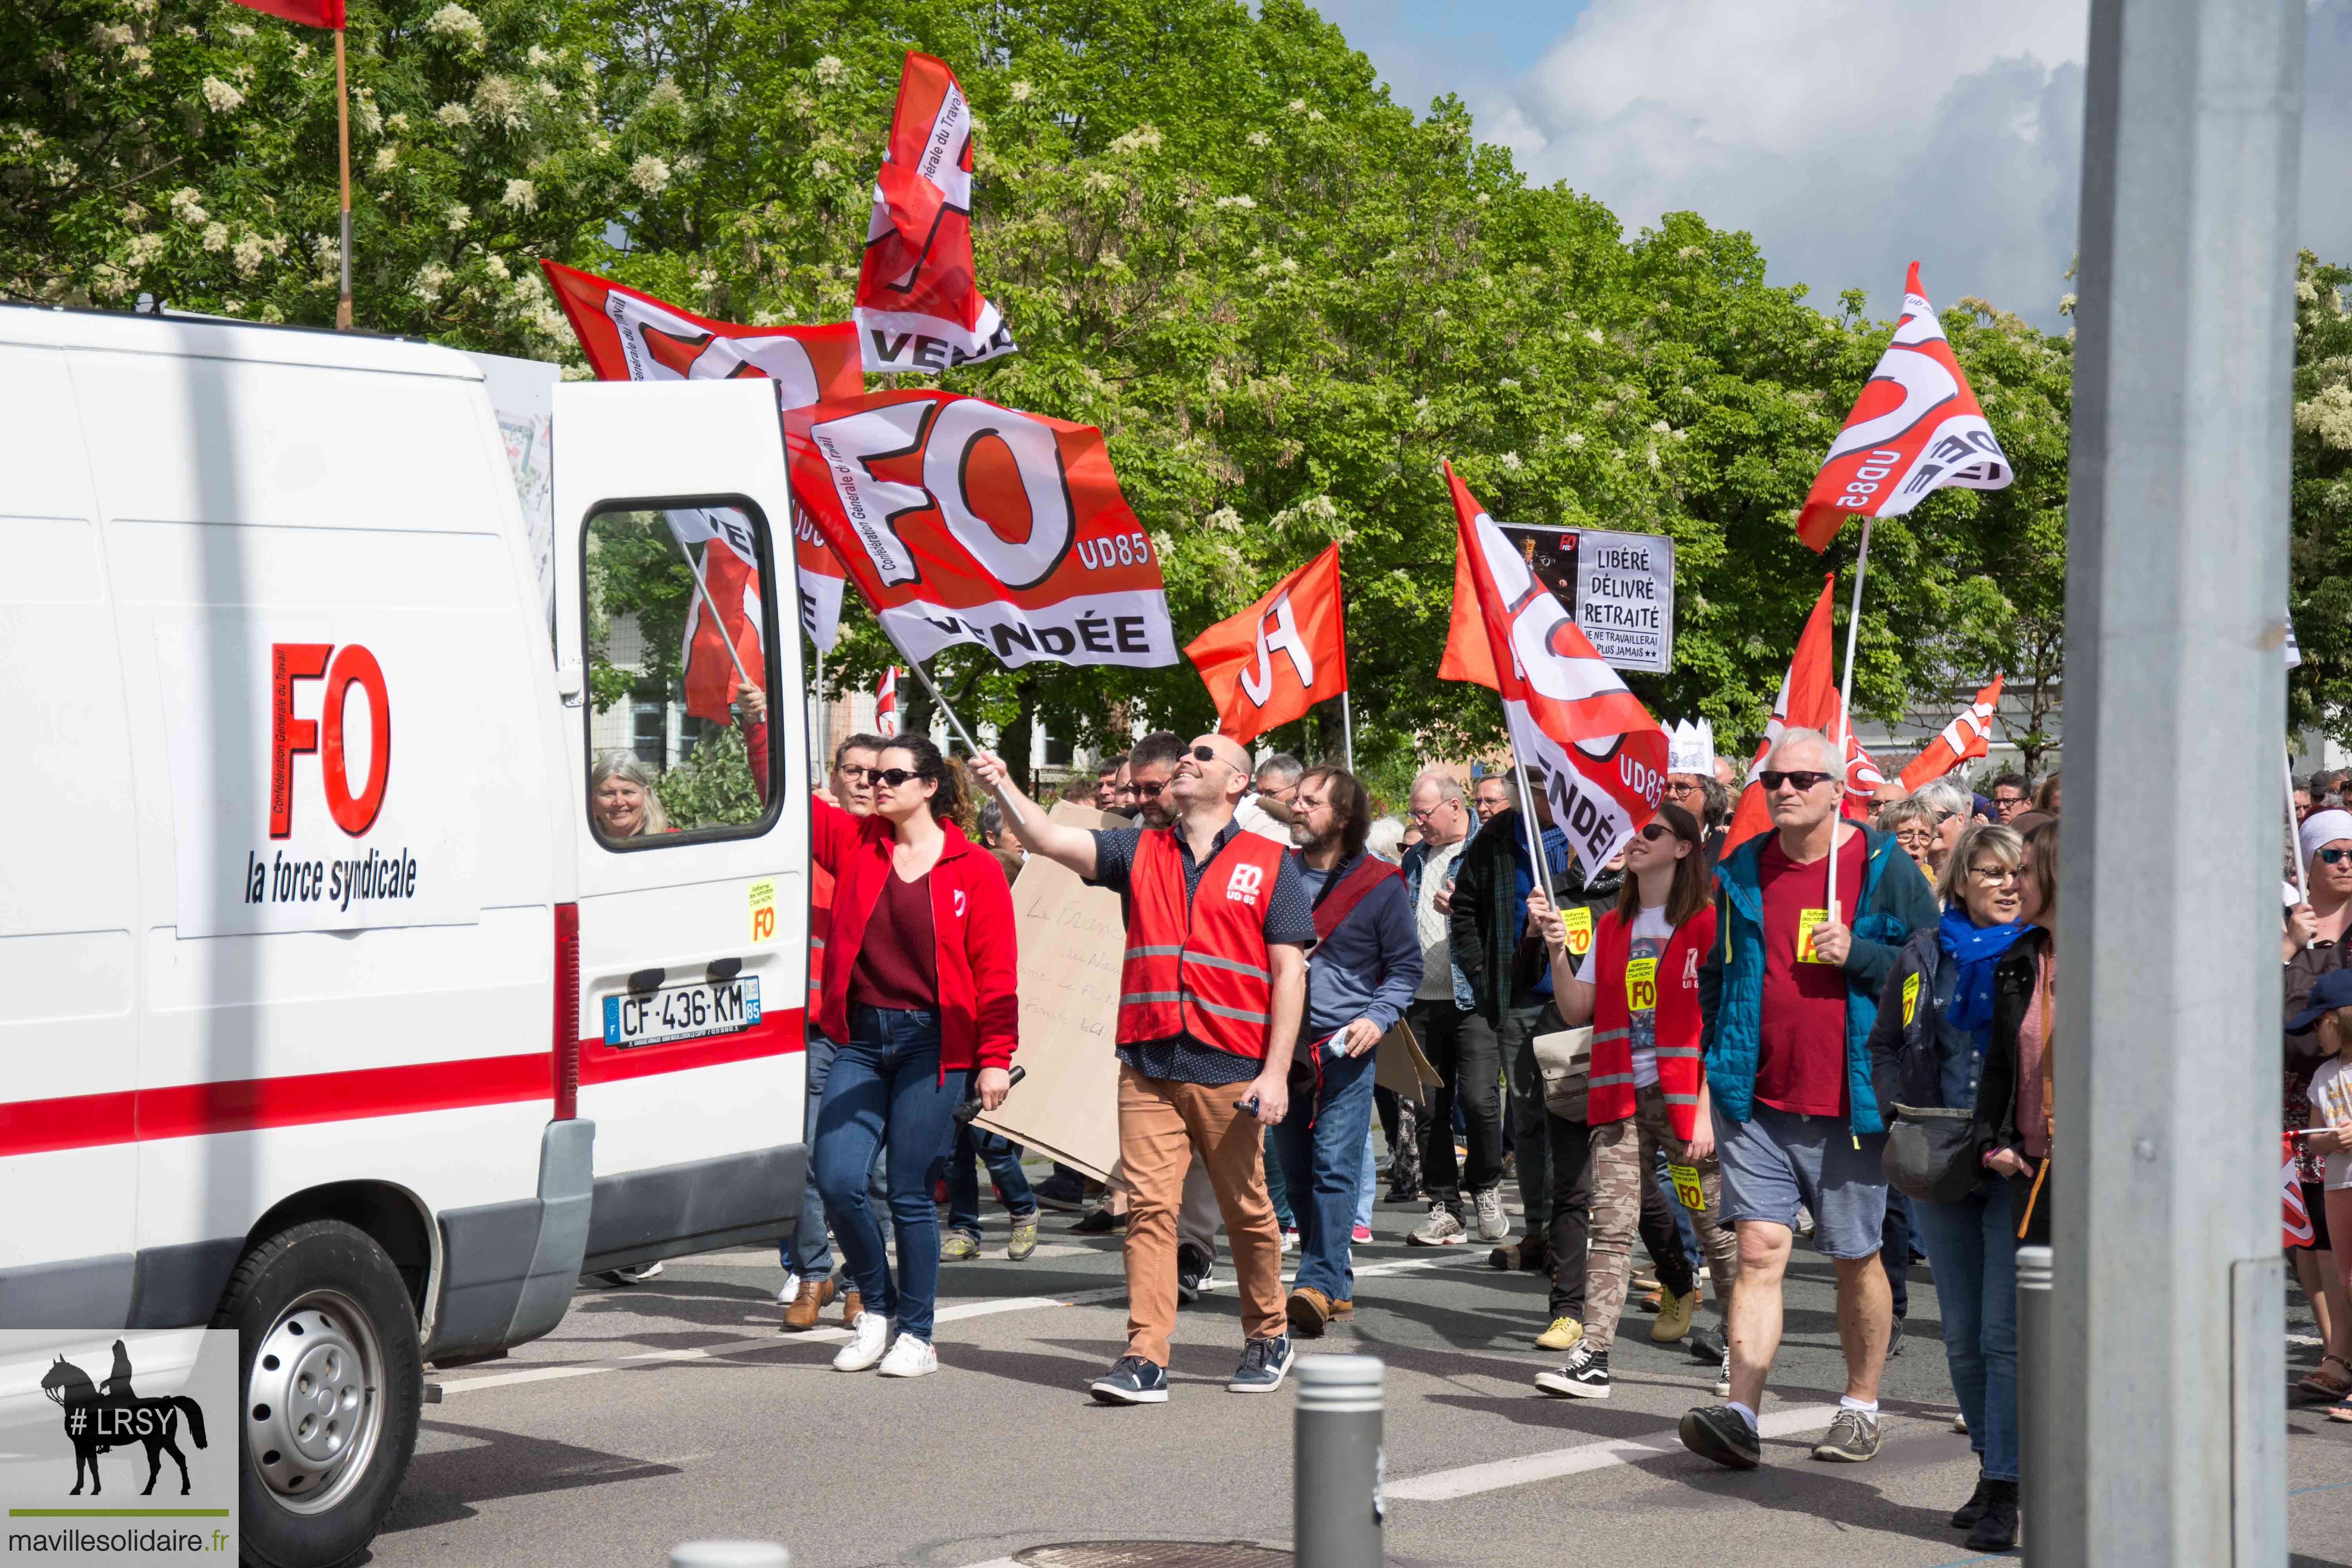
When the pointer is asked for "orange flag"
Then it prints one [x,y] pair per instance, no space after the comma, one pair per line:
[1968,735]
[1808,701]
[1280,657]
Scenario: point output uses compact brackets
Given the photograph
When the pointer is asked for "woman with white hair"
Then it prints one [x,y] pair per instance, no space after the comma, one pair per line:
[1950,806]
[1386,839]
[621,797]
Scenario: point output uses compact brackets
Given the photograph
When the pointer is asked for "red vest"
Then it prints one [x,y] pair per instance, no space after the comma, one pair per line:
[1197,967]
[1674,987]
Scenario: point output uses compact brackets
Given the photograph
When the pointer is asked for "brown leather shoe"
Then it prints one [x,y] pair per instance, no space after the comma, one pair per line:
[852,1303]
[801,1316]
[1310,1311]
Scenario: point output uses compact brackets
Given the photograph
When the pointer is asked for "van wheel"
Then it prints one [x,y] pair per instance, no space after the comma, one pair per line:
[333,1385]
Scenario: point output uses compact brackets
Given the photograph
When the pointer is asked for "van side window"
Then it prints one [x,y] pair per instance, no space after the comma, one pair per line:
[680,624]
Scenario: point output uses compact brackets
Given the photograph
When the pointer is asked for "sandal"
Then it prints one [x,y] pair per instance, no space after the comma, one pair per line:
[2340,1412]
[2318,1384]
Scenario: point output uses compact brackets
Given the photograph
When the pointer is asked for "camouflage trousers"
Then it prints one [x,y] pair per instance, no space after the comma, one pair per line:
[1622,1153]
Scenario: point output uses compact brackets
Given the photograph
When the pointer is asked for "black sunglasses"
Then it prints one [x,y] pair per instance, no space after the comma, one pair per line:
[1205,754]
[1803,780]
[894,777]
[2330,857]
[1150,791]
[1655,831]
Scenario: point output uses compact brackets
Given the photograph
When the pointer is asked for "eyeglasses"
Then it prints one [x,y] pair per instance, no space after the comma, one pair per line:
[1673,788]
[893,777]
[1423,812]
[1995,875]
[1802,782]
[1149,791]
[2330,857]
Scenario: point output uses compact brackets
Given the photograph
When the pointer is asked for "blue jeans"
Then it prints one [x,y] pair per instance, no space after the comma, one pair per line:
[1323,1167]
[1366,1182]
[886,1091]
[1972,1245]
[1277,1190]
[808,1251]
[1003,1160]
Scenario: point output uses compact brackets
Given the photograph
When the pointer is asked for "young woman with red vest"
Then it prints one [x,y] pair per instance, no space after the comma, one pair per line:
[919,991]
[1648,1085]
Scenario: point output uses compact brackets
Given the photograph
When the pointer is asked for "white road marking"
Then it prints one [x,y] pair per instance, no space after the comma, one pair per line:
[957,1313]
[1469,1480]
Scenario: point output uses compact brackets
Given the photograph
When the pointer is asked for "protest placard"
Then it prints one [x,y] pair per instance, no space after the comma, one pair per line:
[1619,586]
[1398,1066]
[1072,940]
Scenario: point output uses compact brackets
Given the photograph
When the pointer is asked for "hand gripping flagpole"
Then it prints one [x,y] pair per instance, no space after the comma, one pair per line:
[1845,719]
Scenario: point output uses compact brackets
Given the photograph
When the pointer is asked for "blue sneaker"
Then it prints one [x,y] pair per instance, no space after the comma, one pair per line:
[1131,1381]
[1265,1363]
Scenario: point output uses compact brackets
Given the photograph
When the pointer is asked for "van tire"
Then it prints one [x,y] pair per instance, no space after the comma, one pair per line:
[328,1288]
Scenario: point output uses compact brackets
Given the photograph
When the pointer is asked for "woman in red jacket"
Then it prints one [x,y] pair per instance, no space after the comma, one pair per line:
[1640,993]
[918,986]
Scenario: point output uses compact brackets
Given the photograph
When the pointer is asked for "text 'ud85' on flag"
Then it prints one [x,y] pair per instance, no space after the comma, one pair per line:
[1915,429]
[1602,755]
[1280,657]
[961,521]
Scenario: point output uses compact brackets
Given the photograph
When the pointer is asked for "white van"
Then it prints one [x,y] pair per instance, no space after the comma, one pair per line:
[327,1013]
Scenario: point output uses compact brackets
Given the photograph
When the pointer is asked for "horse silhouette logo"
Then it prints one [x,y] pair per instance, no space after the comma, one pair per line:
[112,1417]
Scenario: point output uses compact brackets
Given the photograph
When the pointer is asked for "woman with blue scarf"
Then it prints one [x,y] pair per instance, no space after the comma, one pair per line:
[1944,1058]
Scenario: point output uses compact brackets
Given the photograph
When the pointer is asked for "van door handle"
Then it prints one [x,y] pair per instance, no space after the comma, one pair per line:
[570,683]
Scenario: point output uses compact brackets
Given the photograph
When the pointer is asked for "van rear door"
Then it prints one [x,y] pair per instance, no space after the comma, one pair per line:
[672,520]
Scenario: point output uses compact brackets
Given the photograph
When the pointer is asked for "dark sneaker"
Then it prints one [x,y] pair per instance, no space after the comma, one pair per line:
[1102,1222]
[1996,1527]
[1131,1380]
[1194,1268]
[1586,1375]
[1065,1191]
[1894,1340]
[1708,1345]
[1965,1516]
[1719,1432]
[1265,1363]
[1853,1437]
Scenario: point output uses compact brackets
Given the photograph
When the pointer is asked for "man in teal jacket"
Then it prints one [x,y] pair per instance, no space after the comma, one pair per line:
[1789,990]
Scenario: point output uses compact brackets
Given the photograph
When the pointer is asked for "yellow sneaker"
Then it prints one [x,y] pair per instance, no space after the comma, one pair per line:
[1562,1335]
[1674,1320]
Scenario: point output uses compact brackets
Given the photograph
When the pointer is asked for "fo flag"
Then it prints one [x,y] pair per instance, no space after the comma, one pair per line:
[1601,756]
[1280,657]
[917,307]
[732,583]
[1808,701]
[2294,1219]
[629,336]
[310,13]
[1915,429]
[1969,734]
[963,522]
[886,701]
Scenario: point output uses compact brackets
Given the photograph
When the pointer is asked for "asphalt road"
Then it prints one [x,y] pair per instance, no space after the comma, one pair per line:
[674,1410]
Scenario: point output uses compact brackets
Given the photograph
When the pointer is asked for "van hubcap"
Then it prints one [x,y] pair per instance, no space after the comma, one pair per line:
[313,1409]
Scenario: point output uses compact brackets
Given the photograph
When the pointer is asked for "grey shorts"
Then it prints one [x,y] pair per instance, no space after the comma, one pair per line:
[1778,1159]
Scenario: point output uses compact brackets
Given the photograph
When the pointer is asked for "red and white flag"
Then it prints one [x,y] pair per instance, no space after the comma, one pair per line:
[1601,756]
[310,13]
[1808,701]
[917,306]
[961,521]
[1915,429]
[2294,1219]
[886,701]
[630,336]
[1280,657]
[733,584]
[1969,734]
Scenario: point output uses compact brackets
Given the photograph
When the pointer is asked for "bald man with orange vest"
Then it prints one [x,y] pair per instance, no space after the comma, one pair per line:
[1214,983]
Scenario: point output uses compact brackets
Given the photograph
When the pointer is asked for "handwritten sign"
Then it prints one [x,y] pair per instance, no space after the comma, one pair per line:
[1072,942]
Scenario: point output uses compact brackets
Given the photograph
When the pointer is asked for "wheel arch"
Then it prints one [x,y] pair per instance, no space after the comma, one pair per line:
[395,1216]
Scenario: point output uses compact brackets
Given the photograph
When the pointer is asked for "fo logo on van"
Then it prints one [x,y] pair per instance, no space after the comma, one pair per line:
[354,811]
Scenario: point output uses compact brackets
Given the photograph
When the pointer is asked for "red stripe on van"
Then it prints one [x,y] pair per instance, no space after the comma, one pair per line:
[241,1105]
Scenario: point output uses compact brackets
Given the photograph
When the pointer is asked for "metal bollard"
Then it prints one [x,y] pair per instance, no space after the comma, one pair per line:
[729,1554]
[2036,1390]
[1340,1501]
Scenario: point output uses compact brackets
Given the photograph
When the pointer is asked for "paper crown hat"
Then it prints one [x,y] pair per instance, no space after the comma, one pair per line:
[1690,748]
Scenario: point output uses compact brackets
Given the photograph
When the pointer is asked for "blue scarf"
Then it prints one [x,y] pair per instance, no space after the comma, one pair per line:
[1977,950]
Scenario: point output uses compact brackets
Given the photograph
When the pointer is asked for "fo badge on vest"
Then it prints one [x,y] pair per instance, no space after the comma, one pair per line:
[1242,886]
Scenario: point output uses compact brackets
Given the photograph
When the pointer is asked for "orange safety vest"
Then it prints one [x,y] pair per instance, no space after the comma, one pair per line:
[1198,967]
[1672,992]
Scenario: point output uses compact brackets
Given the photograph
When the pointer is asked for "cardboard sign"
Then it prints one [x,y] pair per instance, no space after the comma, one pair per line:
[1400,1066]
[1072,944]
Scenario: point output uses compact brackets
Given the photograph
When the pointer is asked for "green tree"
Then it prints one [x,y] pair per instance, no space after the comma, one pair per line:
[2319,594]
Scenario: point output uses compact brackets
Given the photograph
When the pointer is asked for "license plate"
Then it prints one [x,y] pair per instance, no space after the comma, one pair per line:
[682,1012]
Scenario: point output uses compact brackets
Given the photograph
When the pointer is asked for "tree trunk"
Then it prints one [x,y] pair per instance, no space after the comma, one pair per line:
[1015,744]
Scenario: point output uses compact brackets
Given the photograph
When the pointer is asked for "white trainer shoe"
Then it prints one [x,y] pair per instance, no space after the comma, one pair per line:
[869,1336]
[1494,1225]
[909,1357]
[791,1288]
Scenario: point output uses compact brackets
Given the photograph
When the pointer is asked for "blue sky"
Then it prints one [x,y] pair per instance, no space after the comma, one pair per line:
[1849,136]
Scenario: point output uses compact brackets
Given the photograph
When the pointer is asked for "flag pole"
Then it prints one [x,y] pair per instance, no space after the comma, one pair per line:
[737,659]
[813,713]
[1004,792]
[2294,834]
[343,146]
[1346,731]
[1527,819]
[1845,719]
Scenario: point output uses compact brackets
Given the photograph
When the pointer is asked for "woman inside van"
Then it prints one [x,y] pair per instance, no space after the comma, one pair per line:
[621,794]
[920,987]
[1948,1039]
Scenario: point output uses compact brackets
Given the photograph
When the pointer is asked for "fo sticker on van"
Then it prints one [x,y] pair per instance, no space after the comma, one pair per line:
[763,911]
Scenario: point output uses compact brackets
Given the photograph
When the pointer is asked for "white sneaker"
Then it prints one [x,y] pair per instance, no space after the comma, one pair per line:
[909,1357]
[869,1336]
[1494,1225]
[791,1288]
[1440,1230]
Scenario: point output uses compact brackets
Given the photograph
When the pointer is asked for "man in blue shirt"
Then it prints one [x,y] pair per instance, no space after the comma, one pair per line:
[1360,976]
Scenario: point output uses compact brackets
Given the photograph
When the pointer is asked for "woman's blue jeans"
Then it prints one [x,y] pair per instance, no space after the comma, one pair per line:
[1972,1245]
[886,1091]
